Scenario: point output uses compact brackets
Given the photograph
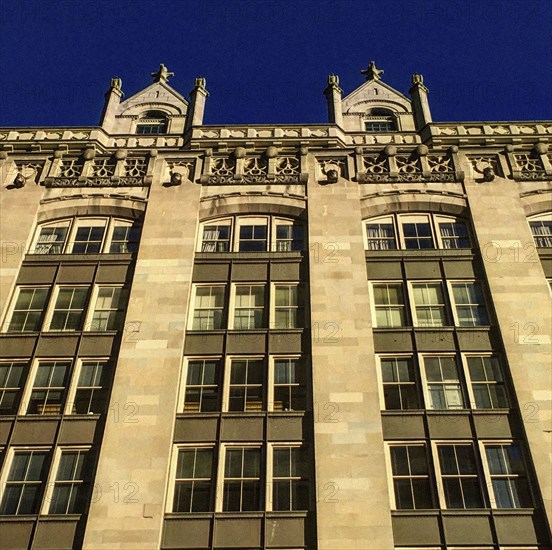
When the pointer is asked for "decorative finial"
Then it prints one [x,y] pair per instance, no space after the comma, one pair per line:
[200,82]
[162,75]
[372,73]
[417,78]
[333,79]
[116,83]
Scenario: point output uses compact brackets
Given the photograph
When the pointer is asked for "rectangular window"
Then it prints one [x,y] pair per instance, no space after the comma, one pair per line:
[542,233]
[216,237]
[454,234]
[246,385]
[459,478]
[125,238]
[109,309]
[487,382]
[68,311]
[289,236]
[508,479]
[411,483]
[51,238]
[381,235]
[288,310]
[69,492]
[443,383]
[12,380]
[290,489]
[389,304]
[379,126]
[193,491]
[23,488]
[202,386]
[92,392]
[417,234]
[289,385]
[252,234]
[399,383]
[208,308]
[242,479]
[249,307]
[49,387]
[28,310]
[429,304]
[88,237]
[470,304]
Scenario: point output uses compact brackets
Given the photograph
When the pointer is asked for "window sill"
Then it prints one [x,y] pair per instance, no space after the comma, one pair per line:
[29,257]
[249,256]
[422,253]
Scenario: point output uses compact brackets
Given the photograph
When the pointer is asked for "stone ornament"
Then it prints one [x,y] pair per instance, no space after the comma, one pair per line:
[372,73]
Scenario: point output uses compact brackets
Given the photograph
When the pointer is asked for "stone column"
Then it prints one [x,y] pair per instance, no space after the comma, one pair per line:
[137,443]
[353,509]
[522,304]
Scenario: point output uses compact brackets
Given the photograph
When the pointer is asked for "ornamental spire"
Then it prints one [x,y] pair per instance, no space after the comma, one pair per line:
[372,73]
[162,75]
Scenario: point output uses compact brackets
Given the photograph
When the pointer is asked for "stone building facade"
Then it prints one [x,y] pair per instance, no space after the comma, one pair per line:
[332,336]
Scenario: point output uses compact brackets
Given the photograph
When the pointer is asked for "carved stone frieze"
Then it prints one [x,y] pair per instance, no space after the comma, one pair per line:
[124,181]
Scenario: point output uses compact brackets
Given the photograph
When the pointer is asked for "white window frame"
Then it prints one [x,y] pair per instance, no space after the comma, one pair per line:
[439,477]
[113,223]
[74,383]
[299,307]
[232,304]
[46,324]
[169,502]
[415,218]
[469,382]
[545,217]
[425,383]
[438,220]
[271,386]
[192,308]
[66,222]
[389,465]
[482,445]
[219,500]
[12,451]
[29,385]
[225,405]
[453,306]
[241,221]
[24,376]
[388,220]
[229,222]
[52,475]
[373,308]
[118,312]
[11,308]
[184,379]
[269,484]
[379,376]
[414,305]
[273,238]
[87,222]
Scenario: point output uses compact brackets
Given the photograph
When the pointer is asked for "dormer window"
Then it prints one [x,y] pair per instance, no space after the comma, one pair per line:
[152,122]
[380,120]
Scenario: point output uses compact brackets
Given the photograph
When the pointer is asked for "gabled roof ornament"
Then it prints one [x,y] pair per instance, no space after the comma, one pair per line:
[372,73]
[162,75]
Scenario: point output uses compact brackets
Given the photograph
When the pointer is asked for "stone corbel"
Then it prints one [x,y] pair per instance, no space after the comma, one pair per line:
[207,163]
[55,166]
[303,164]
[512,164]
[541,149]
[271,153]
[148,178]
[359,164]
[453,153]
[88,162]
[239,154]
[421,152]
[120,157]
[390,151]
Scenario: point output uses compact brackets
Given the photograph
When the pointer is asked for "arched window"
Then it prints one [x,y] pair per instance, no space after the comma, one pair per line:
[541,228]
[416,231]
[380,120]
[152,122]
[250,234]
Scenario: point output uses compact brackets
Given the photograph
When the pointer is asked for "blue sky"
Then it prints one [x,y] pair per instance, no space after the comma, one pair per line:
[267,61]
